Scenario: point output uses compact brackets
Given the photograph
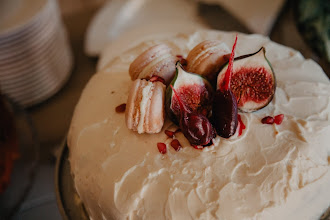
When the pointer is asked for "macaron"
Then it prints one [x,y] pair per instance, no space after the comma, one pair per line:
[145,106]
[158,61]
[207,58]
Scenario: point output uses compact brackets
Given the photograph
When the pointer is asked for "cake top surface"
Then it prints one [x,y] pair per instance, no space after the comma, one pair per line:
[270,171]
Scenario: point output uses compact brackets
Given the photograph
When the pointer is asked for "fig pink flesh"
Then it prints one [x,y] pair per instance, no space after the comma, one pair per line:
[194,96]
[252,84]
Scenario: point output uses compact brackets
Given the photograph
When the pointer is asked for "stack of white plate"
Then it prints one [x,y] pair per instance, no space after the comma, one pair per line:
[35,56]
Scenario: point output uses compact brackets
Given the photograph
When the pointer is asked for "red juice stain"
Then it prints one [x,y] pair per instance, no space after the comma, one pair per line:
[241,125]
[121,108]
[198,147]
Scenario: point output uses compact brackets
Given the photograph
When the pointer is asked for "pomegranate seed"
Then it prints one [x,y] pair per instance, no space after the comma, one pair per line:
[182,60]
[278,119]
[121,108]
[157,78]
[176,145]
[169,133]
[241,125]
[162,148]
[267,120]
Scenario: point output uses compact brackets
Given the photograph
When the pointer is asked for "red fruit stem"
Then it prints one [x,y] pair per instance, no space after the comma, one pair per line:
[182,106]
[230,67]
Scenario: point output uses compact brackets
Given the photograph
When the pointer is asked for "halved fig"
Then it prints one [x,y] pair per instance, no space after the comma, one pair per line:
[194,91]
[253,81]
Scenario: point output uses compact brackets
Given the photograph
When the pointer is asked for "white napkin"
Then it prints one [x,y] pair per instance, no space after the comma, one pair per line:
[257,15]
[118,18]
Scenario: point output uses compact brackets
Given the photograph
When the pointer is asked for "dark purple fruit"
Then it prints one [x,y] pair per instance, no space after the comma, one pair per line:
[225,113]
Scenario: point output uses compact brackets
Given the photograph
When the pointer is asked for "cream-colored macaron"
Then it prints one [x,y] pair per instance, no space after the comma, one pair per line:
[145,106]
[158,60]
[207,57]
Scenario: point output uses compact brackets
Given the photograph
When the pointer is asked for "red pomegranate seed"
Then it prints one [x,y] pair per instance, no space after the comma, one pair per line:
[162,148]
[169,133]
[278,119]
[157,78]
[267,120]
[241,125]
[176,145]
[121,108]
[182,60]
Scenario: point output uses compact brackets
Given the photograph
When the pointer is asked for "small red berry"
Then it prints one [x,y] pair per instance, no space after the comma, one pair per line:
[169,134]
[162,148]
[267,120]
[176,145]
[278,119]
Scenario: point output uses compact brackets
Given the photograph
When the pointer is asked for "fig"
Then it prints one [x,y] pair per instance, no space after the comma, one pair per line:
[194,91]
[253,81]
[195,126]
[225,115]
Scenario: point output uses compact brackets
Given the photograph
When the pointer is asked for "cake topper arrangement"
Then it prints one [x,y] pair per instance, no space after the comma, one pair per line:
[202,94]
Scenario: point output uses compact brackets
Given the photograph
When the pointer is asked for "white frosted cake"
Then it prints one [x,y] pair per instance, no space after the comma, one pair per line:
[269,172]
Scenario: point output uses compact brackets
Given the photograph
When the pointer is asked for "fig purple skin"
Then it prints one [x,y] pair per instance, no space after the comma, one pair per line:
[197,128]
[225,113]
[225,104]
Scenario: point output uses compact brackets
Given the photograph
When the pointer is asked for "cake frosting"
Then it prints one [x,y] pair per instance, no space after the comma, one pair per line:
[269,172]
